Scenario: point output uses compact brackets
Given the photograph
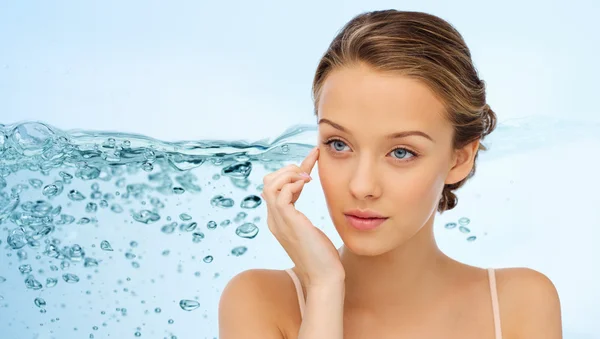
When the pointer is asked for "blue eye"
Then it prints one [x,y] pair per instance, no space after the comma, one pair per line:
[338,145]
[400,154]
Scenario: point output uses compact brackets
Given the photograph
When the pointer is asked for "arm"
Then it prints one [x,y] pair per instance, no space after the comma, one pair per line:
[324,312]
[245,309]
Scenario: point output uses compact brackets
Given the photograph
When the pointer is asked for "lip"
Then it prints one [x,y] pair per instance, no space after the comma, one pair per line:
[364,220]
[364,224]
[364,214]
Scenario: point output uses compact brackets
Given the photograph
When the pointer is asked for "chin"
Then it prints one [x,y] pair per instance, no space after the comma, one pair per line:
[370,245]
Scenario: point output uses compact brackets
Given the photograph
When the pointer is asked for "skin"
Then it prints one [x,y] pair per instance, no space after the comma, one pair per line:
[398,283]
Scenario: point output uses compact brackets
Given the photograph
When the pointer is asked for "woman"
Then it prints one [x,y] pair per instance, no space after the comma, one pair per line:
[401,114]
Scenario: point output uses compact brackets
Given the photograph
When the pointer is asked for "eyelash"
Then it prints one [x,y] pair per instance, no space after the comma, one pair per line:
[328,142]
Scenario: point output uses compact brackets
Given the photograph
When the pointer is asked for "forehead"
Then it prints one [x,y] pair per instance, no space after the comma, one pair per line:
[362,99]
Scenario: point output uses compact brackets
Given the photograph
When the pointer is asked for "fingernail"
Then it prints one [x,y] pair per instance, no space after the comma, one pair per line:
[304,174]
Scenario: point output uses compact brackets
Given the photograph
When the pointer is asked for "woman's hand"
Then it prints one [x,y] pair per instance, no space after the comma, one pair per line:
[312,252]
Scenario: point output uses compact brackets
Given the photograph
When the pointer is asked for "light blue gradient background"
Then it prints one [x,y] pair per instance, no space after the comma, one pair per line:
[188,70]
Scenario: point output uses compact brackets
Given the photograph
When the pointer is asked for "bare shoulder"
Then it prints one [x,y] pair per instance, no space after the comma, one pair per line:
[529,304]
[251,303]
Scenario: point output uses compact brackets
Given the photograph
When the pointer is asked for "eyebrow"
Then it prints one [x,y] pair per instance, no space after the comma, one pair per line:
[396,135]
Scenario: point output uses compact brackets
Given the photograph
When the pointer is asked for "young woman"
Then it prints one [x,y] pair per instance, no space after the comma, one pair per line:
[401,113]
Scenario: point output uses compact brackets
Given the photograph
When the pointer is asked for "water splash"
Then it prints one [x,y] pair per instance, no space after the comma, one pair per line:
[79,209]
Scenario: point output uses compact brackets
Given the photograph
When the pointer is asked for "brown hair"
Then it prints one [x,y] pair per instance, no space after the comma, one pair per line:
[424,47]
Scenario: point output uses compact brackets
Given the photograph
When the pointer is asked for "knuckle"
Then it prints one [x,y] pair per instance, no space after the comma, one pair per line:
[267,179]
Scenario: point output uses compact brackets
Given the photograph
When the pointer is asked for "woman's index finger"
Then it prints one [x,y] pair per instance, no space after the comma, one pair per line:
[309,162]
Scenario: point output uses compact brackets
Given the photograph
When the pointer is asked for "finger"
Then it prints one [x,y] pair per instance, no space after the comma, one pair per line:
[284,199]
[272,190]
[309,162]
[286,211]
[269,177]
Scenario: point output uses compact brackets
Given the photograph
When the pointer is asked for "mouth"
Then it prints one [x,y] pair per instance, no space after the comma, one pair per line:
[364,224]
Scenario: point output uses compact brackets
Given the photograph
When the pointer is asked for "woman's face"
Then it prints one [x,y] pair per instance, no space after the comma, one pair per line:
[362,166]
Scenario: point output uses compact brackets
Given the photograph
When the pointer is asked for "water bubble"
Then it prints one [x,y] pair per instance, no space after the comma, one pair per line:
[30,138]
[16,238]
[138,334]
[3,138]
[65,220]
[25,269]
[471,238]
[70,278]
[105,246]
[84,221]
[33,284]
[187,305]
[35,183]
[117,208]
[149,154]
[66,176]
[22,255]
[39,302]
[450,225]
[464,229]
[178,190]
[76,253]
[157,310]
[91,207]
[75,195]
[251,201]
[185,217]
[247,230]
[50,190]
[241,170]
[225,223]
[8,205]
[147,166]
[464,221]
[221,201]
[197,237]
[87,173]
[90,262]
[135,264]
[169,228]
[240,250]
[146,216]
[171,321]
[188,227]
[211,225]
[208,259]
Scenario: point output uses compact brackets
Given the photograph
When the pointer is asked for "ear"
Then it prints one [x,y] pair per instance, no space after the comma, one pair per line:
[462,162]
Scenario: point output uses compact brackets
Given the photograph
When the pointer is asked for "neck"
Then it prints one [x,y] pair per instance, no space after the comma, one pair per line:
[410,275]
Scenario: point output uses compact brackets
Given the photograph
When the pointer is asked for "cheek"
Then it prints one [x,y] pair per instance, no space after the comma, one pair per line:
[417,188]
[329,176]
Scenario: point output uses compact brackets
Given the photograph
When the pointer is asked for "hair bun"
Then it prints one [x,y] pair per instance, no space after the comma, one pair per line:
[489,120]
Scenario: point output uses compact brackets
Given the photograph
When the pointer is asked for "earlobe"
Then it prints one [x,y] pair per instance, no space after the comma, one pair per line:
[464,159]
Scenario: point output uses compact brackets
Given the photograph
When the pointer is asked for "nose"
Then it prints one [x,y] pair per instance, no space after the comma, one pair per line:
[365,181]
